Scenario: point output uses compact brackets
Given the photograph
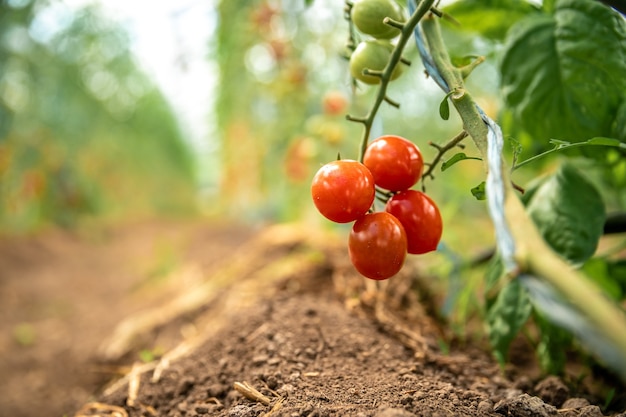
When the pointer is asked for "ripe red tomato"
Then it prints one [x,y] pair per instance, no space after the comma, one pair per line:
[377,245]
[343,190]
[395,162]
[420,218]
[334,103]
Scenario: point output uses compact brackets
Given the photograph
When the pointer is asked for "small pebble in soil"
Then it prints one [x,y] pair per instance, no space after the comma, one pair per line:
[525,406]
[590,411]
[575,403]
[485,407]
[552,391]
[393,412]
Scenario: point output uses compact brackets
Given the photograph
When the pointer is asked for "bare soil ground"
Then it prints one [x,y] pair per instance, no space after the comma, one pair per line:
[192,318]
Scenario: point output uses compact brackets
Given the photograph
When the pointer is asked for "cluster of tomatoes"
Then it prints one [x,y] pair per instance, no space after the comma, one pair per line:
[344,191]
[373,54]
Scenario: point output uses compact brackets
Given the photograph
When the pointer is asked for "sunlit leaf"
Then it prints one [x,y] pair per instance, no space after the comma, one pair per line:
[491,18]
[597,270]
[569,213]
[563,74]
[479,191]
[456,158]
[607,142]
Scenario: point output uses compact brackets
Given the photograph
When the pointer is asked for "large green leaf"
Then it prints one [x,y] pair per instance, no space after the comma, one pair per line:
[563,74]
[598,270]
[569,212]
[490,18]
[619,127]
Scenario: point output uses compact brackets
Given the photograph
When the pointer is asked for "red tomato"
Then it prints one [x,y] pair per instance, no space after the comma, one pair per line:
[420,218]
[377,245]
[343,190]
[395,162]
[334,103]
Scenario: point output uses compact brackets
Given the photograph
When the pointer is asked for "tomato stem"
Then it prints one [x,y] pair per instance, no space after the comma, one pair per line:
[393,23]
[373,73]
[406,31]
[467,69]
[441,150]
[392,102]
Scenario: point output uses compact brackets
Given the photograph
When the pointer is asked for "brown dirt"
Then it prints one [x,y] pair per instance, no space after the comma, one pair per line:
[213,309]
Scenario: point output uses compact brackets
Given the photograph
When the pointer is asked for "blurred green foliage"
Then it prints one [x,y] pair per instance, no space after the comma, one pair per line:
[280,63]
[83,132]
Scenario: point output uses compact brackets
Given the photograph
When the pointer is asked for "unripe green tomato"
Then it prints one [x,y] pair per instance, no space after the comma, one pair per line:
[373,55]
[368,16]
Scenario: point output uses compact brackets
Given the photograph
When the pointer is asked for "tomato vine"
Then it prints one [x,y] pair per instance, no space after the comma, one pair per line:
[530,269]
[386,74]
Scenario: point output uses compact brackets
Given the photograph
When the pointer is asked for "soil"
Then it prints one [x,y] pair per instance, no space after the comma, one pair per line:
[193,318]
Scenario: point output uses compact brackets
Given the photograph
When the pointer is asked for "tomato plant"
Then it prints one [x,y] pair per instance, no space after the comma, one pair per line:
[343,190]
[377,245]
[395,162]
[368,16]
[560,69]
[372,55]
[420,218]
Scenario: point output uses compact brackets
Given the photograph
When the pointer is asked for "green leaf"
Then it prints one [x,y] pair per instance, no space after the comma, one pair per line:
[532,188]
[479,191]
[490,18]
[553,344]
[495,271]
[601,141]
[617,271]
[597,270]
[619,126]
[456,158]
[506,317]
[563,74]
[569,213]
[560,145]
[444,109]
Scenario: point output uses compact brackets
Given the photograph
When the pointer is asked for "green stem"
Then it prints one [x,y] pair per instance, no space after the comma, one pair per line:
[461,99]
[532,253]
[385,78]
[441,150]
[561,147]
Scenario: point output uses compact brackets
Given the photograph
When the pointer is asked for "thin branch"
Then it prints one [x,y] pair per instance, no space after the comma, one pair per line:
[561,145]
[441,150]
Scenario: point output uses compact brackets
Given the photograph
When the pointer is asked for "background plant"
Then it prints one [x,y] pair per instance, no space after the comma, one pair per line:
[84,133]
